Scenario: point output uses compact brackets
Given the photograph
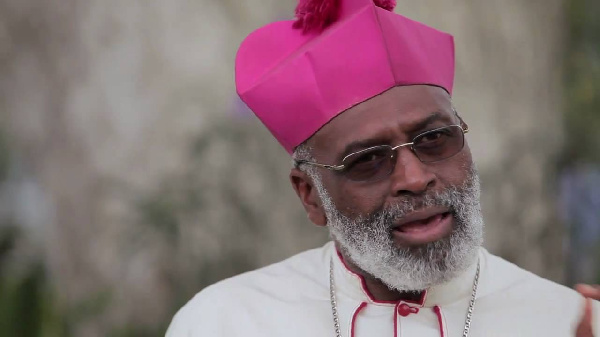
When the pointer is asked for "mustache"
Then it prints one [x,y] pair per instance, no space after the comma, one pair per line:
[451,197]
[395,212]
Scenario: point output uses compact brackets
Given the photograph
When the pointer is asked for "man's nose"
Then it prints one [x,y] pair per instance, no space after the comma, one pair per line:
[410,175]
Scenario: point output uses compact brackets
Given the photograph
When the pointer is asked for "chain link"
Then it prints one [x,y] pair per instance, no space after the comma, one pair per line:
[471,303]
[336,320]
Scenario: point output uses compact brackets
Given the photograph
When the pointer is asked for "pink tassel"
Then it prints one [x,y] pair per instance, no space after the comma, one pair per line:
[386,4]
[316,15]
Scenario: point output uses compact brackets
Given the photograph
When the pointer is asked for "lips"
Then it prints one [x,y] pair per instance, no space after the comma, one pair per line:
[424,226]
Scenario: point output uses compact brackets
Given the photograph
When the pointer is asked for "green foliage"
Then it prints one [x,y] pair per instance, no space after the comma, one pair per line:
[582,82]
[4,157]
[159,212]
[582,86]
[27,306]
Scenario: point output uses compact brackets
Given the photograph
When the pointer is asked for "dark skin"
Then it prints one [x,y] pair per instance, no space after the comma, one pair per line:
[394,117]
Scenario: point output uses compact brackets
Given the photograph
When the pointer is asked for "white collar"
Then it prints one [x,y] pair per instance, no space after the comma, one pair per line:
[352,285]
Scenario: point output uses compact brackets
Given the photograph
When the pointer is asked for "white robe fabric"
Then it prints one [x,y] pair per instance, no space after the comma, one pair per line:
[291,298]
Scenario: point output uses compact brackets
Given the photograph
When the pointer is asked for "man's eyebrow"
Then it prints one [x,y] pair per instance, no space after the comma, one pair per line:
[420,125]
[369,142]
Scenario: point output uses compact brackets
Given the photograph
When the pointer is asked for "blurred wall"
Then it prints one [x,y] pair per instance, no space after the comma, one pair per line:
[140,178]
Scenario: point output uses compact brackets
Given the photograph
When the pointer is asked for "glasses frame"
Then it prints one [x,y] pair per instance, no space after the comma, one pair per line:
[342,167]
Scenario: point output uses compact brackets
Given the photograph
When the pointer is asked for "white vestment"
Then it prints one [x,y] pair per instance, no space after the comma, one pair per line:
[292,299]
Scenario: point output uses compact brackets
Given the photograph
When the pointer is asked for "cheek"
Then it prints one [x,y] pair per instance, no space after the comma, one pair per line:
[354,200]
[456,170]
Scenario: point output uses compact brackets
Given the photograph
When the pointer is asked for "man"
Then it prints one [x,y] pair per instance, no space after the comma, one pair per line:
[361,98]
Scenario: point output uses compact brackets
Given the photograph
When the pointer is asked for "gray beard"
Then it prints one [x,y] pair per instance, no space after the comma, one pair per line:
[367,240]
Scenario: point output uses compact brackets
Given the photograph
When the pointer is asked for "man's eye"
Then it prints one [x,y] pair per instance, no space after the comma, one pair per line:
[432,137]
[368,158]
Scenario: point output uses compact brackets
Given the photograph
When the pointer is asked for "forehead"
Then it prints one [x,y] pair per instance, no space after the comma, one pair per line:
[386,117]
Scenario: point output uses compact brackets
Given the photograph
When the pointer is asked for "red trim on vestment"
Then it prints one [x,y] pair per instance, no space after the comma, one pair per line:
[360,307]
[363,284]
[396,319]
[438,312]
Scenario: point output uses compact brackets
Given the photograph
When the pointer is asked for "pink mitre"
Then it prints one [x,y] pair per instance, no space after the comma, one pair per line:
[298,75]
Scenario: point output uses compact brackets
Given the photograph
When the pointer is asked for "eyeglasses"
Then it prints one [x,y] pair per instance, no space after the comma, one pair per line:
[378,162]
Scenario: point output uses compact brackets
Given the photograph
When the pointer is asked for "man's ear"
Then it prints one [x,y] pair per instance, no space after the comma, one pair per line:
[306,191]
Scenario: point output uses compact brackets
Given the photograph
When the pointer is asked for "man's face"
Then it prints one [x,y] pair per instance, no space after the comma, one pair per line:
[417,227]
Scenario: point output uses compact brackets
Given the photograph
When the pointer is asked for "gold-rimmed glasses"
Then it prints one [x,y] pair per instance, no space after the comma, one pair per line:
[378,162]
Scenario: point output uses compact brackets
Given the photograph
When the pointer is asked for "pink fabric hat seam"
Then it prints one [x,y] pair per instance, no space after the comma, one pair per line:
[305,47]
[297,83]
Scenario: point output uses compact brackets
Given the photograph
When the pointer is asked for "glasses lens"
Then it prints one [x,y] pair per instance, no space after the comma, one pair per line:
[439,144]
[370,164]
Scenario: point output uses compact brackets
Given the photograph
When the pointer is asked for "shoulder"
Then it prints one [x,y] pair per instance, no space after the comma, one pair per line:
[506,277]
[515,293]
[292,280]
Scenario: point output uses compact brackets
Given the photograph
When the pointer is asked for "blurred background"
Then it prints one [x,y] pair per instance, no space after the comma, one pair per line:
[131,176]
